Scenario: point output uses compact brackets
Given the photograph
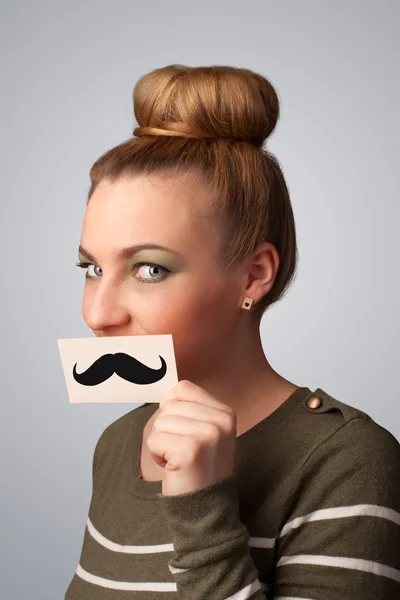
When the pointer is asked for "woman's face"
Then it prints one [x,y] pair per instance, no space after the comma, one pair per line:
[182,293]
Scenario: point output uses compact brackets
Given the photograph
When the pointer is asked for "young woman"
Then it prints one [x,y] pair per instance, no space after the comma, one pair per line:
[239,484]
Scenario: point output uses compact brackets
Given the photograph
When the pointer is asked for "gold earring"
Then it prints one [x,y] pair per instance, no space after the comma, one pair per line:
[247,302]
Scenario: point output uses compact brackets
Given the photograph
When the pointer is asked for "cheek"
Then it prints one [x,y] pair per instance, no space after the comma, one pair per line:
[197,323]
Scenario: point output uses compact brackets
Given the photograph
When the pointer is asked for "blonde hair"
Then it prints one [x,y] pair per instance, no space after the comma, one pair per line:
[214,121]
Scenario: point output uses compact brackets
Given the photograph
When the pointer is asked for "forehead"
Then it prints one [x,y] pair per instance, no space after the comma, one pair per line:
[173,210]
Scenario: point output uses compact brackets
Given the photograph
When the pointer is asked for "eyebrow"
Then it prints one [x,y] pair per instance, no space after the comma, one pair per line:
[129,251]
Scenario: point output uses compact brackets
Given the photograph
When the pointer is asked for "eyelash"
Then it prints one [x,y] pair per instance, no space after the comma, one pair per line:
[85,265]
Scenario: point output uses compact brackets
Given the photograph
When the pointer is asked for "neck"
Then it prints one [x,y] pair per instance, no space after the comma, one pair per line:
[244,380]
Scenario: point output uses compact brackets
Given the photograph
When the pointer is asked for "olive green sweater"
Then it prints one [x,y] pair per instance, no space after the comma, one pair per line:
[312,511]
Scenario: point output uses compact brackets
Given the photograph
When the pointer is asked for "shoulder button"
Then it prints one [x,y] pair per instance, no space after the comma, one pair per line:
[314,402]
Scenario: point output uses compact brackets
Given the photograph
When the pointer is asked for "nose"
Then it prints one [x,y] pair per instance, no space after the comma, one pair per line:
[105,307]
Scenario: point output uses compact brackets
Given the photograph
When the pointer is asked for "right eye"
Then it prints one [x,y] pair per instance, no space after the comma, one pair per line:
[86,265]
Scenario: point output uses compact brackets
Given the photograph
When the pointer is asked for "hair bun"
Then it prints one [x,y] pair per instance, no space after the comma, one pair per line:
[206,103]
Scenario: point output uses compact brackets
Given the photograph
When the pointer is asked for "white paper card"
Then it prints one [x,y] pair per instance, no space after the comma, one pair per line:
[135,368]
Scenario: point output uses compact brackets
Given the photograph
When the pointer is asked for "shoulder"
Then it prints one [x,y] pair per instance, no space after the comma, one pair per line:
[352,453]
[350,460]
[337,423]
[344,508]
[326,427]
[329,404]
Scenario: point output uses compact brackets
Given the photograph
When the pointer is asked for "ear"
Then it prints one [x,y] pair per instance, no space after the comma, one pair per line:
[261,269]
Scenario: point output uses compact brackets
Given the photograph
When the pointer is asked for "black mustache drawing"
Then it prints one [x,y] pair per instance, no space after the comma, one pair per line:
[123,365]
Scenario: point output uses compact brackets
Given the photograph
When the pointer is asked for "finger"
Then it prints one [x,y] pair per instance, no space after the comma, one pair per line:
[198,412]
[184,427]
[191,392]
[172,448]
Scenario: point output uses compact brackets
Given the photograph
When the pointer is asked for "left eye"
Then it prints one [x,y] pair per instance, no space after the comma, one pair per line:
[86,265]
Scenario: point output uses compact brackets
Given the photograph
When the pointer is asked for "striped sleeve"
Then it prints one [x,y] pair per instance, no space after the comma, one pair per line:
[211,556]
[342,538]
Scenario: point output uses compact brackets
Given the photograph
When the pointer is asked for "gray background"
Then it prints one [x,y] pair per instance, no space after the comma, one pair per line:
[67,74]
